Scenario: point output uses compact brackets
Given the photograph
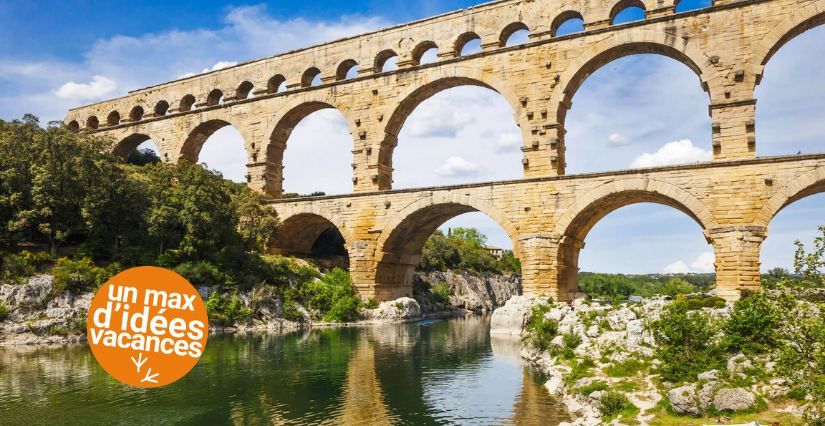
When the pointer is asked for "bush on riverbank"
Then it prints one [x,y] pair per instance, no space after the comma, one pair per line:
[463,250]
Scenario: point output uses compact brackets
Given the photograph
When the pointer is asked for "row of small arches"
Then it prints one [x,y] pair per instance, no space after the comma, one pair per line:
[567,22]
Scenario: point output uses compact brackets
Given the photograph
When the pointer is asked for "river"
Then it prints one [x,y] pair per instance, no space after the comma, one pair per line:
[431,372]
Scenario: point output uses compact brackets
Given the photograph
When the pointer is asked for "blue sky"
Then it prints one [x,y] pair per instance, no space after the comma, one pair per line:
[636,111]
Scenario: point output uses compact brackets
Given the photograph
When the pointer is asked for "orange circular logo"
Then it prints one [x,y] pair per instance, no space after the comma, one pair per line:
[147,327]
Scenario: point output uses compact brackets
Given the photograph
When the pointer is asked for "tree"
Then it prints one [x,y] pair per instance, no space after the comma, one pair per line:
[142,157]
[470,236]
[812,265]
[778,273]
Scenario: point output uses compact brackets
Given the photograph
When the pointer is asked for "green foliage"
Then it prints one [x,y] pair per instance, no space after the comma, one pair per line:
[4,311]
[142,157]
[463,250]
[441,292]
[752,327]
[572,340]
[541,330]
[593,387]
[200,273]
[371,303]
[629,368]
[77,276]
[322,294]
[345,309]
[14,267]
[610,287]
[797,394]
[687,344]
[615,403]
[695,303]
[579,370]
[226,311]
[291,311]
[812,265]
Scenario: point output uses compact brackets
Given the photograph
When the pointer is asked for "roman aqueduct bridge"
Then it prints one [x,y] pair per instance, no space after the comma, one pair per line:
[547,214]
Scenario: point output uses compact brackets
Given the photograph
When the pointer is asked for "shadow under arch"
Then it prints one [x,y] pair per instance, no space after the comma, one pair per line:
[426,87]
[810,183]
[402,238]
[804,19]
[198,132]
[577,220]
[280,129]
[634,43]
[125,146]
[301,227]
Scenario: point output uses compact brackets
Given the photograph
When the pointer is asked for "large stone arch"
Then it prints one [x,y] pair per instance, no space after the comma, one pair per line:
[810,183]
[280,128]
[127,144]
[425,87]
[199,127]
[301,226]
[398,249]
[628,43]
[578,219]
[800,21]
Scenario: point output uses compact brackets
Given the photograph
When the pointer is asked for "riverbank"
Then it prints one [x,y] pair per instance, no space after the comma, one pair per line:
[36,316]
[603,362]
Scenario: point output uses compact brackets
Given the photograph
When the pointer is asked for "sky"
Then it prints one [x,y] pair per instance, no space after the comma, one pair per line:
[637,111]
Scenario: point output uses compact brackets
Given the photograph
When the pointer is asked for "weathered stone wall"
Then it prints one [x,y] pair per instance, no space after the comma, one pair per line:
[726,45]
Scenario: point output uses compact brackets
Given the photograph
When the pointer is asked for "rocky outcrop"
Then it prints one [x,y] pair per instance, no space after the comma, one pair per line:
[735,399]
[513,316]
[404,308]
[471,290]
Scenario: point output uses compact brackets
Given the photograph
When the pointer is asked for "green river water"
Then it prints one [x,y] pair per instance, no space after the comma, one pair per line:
[431,372]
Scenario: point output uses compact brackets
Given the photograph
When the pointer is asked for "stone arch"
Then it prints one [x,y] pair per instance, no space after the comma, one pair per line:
[509,30]
[309,75]
[562,18]
[244,89]
[622,5]
[274,83]
[451,205]
[382,59]
[92,122]
[279,129]
[205,125]
[186,103]
[125,146]
[398,249]
[344,68]
[74,127]
[426,87]
[632,43]
[578,219]
[161,108]
[113,119]
[214,97]
[462,41]
[136,114]
[301,226]
[421,49]
[801,20]
[810,183]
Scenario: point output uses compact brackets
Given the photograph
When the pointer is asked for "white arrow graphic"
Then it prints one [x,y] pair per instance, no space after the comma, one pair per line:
[139,361]
[149,377]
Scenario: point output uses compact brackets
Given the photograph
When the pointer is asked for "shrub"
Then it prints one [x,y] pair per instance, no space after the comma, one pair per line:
[15,267]
[572,340]
[752,327]
[77,323]
[200,273]
[541,330]
[225,311]
[797,394]
[593,387]
[77,276]
[371,303]
[291,311]
[441,292]
[579,370]
[345,309]
[615,403]
[687,344]
[322,294]
[4,311]
[625,369]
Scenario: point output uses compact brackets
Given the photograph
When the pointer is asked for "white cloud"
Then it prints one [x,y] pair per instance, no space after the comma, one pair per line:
[509,142]
[679,152]
[457,166]
[705,263]
[439,117]
[221,65]
[617,140]
[99,86]
[677,268]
